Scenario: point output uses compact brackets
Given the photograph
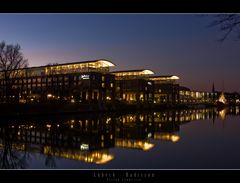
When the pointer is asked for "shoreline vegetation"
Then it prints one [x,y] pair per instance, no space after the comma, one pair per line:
[15,110]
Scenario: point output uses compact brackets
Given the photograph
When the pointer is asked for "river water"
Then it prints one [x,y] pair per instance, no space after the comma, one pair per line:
[175,139]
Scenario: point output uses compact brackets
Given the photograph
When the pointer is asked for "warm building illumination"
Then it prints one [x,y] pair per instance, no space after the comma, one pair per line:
[105,158]
[106,63]
[108,98]
[166,137]
[147,146]
[163,78]
[135,144]
[98,157]
[48,126]
[132,73]
[222,99]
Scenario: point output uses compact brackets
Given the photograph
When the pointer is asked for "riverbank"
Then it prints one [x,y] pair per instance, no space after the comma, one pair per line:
[56,108]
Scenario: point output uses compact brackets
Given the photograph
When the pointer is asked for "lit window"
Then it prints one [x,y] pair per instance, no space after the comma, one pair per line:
[111,85]
[103,85]
[103,78]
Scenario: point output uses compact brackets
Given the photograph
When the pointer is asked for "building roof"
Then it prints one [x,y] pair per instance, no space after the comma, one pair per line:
[104,62]
[133,72]
[164,77]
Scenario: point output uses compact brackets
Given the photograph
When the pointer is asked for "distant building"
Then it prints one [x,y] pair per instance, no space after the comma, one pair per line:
[165,89]
[132,86]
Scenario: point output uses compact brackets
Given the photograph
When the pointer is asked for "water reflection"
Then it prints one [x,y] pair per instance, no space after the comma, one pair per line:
[89,138]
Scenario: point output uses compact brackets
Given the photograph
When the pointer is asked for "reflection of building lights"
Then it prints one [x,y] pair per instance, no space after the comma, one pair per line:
[175,138]
[147,146]
[222,114]
[105,158]
[97,157]
[84,76]
[135,144]
[72,101]
[166,137]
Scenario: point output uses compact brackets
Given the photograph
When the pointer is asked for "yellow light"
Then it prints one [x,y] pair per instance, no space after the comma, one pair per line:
[49,95]
[175,138]
[175,77]
[106,63]
[147,146]
[147,72]
[105,158]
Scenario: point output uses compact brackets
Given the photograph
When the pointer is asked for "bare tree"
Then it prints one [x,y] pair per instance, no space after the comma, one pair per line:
[227,23]
[11,63]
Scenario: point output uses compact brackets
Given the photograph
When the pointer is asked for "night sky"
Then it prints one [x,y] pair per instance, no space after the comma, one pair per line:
[169,44]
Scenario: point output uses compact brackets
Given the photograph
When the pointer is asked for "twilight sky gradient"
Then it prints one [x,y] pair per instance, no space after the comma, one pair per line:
[178,44]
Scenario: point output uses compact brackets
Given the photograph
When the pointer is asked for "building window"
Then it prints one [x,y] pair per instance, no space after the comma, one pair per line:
[103,85]
[103,78]
[111,85]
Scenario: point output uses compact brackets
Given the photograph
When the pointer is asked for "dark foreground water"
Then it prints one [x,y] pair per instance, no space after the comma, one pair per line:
[179,139]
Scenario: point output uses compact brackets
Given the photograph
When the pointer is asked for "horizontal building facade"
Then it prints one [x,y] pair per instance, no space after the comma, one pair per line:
[132,86]
[79,82]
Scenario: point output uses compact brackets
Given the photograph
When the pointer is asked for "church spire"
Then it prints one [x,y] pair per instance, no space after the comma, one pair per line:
[213,88]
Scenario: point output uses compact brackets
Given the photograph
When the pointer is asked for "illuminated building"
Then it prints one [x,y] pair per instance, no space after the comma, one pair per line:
[132,86]
[187,96]
[77,82]
[165,89]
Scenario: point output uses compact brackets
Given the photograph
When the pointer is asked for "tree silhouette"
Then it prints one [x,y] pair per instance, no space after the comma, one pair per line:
[227,23]
[11,63]
[10,157]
